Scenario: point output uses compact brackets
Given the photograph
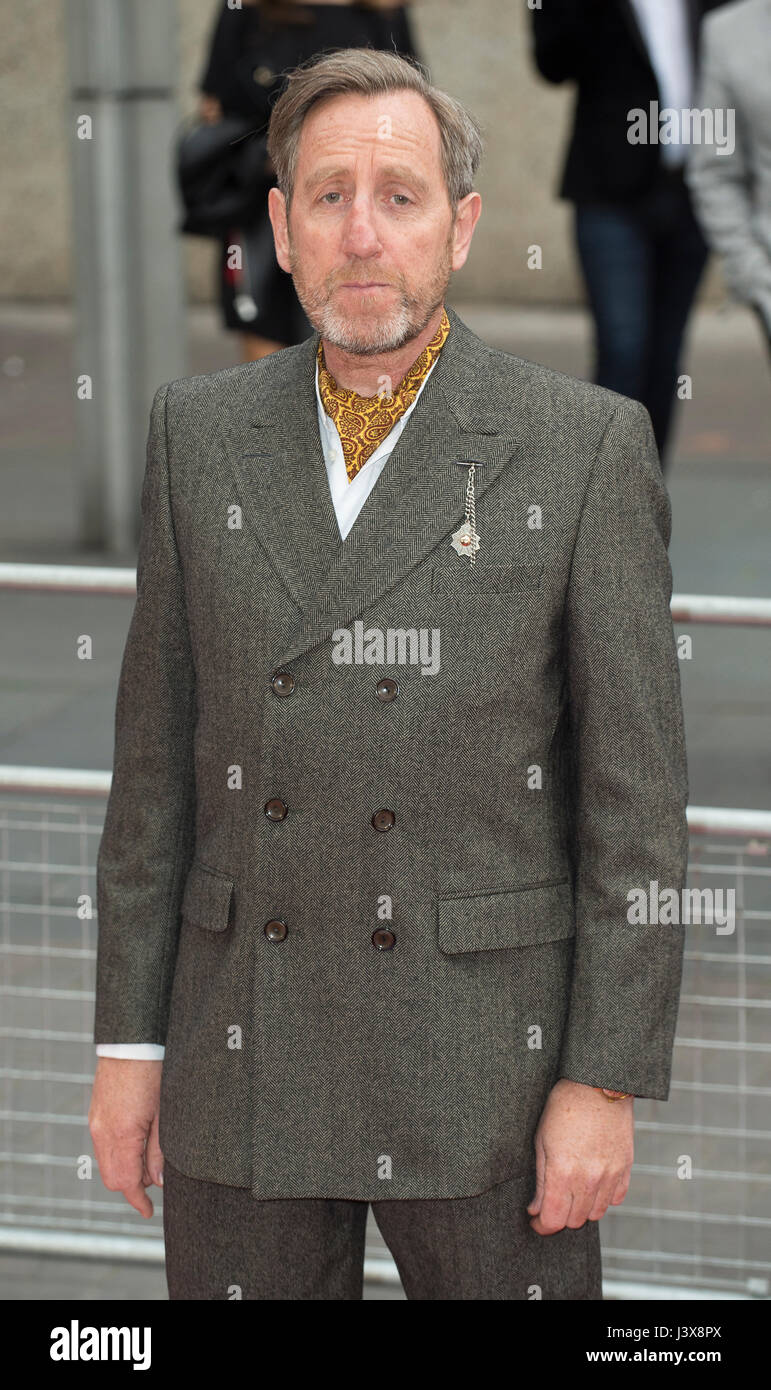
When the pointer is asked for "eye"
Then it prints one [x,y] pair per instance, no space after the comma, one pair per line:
[404,197]
[333,193]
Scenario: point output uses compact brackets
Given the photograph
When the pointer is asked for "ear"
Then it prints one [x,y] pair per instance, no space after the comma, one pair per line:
[466,218]
[278,221]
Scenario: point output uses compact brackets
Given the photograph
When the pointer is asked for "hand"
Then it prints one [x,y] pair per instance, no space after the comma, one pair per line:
[123,1120]
[211,111]
[584,1149]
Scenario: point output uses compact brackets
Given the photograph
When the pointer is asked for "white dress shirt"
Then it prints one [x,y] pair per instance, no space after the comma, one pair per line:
[664,27]
[348,498]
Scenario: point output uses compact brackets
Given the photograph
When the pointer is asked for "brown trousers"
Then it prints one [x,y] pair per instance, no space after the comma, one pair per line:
[222,1243]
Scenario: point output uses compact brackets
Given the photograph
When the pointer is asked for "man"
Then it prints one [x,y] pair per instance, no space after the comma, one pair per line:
[641,249]
[398,730]
[732,191]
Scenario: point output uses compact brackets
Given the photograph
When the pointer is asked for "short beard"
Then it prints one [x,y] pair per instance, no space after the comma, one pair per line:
[386,333]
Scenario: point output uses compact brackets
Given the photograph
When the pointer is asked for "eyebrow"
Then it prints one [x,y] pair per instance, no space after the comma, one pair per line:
[402,172]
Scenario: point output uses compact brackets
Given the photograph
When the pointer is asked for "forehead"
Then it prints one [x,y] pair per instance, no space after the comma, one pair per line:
[352,124]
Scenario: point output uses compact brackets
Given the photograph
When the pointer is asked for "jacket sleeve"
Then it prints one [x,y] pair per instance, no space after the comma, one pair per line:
[224,48]
[628,770]
[721,186]
[564,38]
[147,840]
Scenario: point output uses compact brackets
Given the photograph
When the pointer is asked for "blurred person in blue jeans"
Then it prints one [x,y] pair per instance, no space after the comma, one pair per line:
[640,246]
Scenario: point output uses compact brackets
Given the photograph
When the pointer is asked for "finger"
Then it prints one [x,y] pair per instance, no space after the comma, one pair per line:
[153,1154]
[121,1171]
[534,1205]
[602,1200]
[137,1197]
[621,1189]
[581,1197]
[555,1207]
[578,1214]
[590,1200]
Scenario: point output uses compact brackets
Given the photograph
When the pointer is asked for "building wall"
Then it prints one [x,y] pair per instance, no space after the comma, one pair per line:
[476,49]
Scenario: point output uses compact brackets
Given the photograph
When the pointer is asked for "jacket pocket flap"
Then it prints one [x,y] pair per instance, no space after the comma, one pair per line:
[486,579]
[514,917]
[206,899]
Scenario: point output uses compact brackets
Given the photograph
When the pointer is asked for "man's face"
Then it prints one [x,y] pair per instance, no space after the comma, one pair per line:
[370,239]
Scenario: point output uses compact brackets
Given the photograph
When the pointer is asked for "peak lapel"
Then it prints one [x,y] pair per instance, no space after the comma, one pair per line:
[279,464]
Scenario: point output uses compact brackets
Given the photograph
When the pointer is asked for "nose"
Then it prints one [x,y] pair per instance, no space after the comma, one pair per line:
[360,235]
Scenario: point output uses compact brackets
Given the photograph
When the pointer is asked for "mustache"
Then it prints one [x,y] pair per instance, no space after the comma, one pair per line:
[357,273]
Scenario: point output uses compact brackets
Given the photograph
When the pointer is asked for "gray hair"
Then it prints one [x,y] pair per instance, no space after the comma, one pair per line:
[371,72]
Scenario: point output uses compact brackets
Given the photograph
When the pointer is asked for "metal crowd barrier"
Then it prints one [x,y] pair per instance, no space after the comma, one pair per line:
[96,579]
[696,1222]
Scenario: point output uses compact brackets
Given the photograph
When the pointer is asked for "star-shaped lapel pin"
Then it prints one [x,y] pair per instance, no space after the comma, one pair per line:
[466,539]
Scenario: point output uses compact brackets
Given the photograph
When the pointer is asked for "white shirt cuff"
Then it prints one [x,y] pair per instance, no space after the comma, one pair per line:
[139,1052]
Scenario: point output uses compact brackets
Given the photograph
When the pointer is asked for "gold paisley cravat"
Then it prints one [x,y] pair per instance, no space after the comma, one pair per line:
[364,421]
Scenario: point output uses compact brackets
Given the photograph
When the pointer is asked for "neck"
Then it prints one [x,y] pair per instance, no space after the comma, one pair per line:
[364,374]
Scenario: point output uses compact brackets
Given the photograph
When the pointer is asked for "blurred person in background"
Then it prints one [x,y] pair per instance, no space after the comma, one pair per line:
[251,50]
[640,246]
[732,193]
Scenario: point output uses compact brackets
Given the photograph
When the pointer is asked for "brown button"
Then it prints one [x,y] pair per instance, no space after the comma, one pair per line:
[386,689]
[275,930]
[282,683]
[275,809]
[383,820]
[383,939]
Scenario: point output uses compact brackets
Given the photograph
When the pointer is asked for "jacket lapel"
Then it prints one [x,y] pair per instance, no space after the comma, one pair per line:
[418,499]
[280,466]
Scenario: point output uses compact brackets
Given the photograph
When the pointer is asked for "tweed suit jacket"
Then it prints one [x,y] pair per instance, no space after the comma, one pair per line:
[535,774]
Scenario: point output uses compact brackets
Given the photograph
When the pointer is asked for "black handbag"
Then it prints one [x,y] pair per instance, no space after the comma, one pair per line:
[221,178]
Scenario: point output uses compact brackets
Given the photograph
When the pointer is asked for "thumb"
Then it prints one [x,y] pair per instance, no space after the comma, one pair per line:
[534,1205]
[153,1155]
